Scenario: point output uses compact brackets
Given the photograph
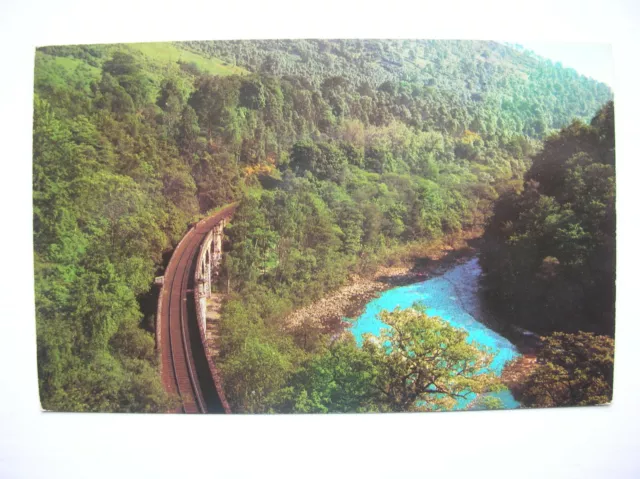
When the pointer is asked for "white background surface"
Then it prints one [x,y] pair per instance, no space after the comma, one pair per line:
[578,442]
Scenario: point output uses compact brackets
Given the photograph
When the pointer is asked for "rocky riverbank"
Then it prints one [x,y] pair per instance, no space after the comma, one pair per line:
[417,263]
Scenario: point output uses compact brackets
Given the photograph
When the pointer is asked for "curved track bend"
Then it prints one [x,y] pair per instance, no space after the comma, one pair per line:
[183,362]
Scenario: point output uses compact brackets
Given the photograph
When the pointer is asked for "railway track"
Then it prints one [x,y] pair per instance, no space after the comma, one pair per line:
[184,368]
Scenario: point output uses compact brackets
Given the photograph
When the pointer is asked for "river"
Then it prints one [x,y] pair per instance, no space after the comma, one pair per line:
[452,296]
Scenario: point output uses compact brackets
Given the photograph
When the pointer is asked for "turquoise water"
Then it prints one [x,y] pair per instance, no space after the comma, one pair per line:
[453,297]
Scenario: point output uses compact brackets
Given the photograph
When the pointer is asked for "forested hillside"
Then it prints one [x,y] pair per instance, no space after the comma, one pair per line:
[487,87]
[338,152]
[550,254]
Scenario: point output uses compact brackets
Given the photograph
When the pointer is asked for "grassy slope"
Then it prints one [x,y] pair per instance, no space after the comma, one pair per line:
[170,53]
[71,64]
[59,69]
[65,69]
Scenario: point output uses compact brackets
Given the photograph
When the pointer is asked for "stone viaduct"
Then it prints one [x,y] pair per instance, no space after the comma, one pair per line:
[187,368]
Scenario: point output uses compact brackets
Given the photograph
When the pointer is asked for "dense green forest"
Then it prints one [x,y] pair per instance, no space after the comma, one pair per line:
[339,152]
[488,87]
[550,251]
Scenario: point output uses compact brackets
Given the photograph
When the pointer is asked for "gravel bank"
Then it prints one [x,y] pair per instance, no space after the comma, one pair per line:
[349,301]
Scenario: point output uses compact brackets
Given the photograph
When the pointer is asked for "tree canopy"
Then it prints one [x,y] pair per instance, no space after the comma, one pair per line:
[419,363]
[575,370]
[550,249]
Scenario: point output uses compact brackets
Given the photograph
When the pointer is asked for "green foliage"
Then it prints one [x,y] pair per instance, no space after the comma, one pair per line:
[423,363]
[257,369]
[340,380]
[451,85]
[420,363]
[574,370]
[324,161]
[549,256]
